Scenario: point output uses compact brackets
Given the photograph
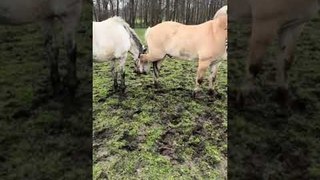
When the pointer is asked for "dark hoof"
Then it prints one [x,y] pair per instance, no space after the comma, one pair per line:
[157,85]
[195,94]
[122,89]
[212,92]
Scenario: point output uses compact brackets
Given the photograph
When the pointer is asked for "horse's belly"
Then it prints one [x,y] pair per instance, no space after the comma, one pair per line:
[102,56]
[182,50]
[183,54]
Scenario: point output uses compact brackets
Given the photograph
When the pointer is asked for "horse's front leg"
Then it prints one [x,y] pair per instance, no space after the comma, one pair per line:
[288,38]
[212,77]
[156,72]
[52,52]
[70,23]
[263,32]
[202,68]
[156,62]
[114,75]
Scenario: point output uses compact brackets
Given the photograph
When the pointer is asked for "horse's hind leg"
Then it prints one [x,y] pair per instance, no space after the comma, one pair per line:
[70,22]
[288,38]
[122,73]
[52,51]
[114,72]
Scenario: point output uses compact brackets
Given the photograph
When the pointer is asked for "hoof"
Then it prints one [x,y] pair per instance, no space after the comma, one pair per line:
[212,92]
[195,93]
[157,85]
[122,89]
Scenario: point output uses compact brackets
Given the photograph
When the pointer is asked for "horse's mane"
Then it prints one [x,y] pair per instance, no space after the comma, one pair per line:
[132,33]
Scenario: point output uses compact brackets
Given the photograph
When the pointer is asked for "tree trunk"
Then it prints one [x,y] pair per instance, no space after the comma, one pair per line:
[132,14]
[117,7]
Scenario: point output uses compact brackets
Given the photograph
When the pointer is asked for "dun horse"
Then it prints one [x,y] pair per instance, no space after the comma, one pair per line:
[18,12]
[204,42]
[112,40]
[269,19]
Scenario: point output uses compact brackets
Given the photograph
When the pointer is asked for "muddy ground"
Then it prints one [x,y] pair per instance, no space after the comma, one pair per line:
[159,133]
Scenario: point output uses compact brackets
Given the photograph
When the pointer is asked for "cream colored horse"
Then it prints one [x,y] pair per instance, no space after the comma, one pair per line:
[18,12]
[204,42]
[271,18]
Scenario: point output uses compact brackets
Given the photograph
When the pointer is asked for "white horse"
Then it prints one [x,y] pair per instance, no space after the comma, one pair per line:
[18,12]
[112,40]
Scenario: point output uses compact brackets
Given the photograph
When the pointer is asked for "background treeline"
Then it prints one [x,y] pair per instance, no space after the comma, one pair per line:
[143,13]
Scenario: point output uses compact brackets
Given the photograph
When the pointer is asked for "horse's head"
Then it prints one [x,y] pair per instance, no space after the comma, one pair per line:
[141,65]
[221,26]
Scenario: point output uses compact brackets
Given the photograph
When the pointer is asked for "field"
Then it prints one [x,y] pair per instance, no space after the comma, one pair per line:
[159,133]
[265,139]
[41,136]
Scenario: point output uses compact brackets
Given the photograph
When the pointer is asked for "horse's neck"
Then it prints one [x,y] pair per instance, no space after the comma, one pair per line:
[135,48]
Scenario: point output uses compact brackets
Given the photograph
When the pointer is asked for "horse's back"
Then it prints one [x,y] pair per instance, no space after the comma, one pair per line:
[179,40]
[110,40]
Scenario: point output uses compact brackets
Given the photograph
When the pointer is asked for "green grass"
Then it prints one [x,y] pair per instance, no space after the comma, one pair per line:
[159,133]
